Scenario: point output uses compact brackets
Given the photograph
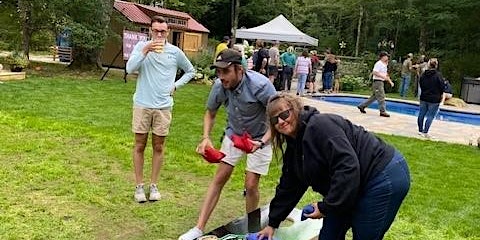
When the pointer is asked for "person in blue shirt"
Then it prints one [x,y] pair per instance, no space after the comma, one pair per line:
[157,62]
[244,95]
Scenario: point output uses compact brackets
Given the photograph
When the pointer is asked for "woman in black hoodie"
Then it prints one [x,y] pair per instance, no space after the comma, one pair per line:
[432,86]
[362,179]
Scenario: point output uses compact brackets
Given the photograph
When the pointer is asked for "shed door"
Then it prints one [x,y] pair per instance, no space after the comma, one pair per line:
[192,42]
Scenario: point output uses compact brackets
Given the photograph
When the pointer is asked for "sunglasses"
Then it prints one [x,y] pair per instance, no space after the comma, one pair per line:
[163,32]
[283,115]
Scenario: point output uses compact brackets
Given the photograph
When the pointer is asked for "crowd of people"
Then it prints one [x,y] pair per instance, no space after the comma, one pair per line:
[281,65]
[430,87]
[352,169]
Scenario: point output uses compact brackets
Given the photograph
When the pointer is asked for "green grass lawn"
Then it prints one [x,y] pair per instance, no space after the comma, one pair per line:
[66,168]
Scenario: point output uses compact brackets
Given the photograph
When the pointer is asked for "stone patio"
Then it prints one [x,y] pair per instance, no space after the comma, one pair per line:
[403,124]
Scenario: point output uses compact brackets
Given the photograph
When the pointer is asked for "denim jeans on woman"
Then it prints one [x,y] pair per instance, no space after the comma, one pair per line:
[376,207]
[405,84]
[327,78]
[428,110]
[302,78]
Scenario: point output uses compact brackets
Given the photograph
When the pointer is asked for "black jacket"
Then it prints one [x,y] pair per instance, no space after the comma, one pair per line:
[331,155]
[329,67]
[432,86]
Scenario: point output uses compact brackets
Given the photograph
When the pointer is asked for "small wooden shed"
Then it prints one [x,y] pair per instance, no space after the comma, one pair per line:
[185,32]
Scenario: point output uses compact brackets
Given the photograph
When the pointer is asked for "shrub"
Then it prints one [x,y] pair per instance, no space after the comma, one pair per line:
[456,67]
[17,59]
[202,62]
[352,83]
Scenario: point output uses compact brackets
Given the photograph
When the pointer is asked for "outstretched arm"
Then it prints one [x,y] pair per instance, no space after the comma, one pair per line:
[208,122]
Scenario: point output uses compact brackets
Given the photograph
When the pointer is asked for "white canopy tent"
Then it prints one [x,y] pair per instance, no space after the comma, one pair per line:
[279,29]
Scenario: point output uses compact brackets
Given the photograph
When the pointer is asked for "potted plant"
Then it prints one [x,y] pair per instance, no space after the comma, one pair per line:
[17,61]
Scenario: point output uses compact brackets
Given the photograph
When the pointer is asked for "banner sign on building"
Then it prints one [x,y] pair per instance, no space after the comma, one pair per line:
[130,39]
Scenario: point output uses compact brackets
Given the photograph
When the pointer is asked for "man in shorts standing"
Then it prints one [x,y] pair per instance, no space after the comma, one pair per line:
[157,62]
[245,95]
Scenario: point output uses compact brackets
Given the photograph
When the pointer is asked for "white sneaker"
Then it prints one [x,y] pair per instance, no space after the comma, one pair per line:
[192,234]
[140,194]
[154,193]
[421,134]
[428,136]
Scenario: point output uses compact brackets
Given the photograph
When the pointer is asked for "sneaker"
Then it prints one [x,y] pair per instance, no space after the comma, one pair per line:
[384,114]
[421,134]
[192,234]
[140,194]
[154,193]
[362,109]
[428,136]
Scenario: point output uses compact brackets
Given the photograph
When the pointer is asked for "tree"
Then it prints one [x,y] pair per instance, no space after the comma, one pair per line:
[35,16]
[9,34]
[89,22]
[236,9]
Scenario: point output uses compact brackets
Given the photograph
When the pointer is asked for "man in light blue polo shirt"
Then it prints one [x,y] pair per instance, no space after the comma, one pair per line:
[245,95]
[157,62]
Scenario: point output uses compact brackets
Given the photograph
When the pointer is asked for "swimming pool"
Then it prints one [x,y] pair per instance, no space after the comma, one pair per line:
[406,108]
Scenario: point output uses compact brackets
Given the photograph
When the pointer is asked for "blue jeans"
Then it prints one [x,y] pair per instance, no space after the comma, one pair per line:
[287,77]
[302,78]
[428,110]
[376,206]
[327,78]
[405,85]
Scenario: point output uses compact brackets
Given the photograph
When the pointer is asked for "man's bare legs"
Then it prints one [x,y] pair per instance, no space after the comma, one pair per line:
[222,175]
[158,145]
[224,171]
[252,194]
[138,155]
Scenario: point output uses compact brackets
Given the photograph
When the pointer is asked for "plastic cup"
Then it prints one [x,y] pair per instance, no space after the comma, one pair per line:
[158,46]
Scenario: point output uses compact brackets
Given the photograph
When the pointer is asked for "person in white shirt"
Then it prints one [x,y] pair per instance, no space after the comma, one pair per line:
[380,75]
[273,61]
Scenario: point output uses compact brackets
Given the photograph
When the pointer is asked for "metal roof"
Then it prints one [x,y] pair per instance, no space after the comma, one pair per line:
[139,13]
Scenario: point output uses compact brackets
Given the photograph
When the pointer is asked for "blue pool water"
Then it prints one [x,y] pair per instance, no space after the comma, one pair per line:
[407,108]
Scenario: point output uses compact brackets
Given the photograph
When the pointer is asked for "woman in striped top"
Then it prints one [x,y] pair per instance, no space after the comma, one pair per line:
[303,67]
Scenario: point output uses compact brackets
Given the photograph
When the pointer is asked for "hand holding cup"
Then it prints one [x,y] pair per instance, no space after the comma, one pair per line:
[158,45]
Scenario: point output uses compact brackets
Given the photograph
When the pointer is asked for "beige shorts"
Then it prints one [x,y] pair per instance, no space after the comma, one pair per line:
[156,120]
[257,162]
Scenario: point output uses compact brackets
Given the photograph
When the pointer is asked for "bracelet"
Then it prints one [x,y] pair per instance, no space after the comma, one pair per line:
[203,138]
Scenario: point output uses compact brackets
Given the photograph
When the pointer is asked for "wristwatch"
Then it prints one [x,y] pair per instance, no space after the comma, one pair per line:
[262,144]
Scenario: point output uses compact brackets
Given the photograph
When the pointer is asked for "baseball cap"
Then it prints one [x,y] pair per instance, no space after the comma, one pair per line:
[226,38]
[226,58]
[383,53]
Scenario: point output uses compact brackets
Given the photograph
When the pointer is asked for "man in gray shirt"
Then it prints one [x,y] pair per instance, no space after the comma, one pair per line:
[245,95]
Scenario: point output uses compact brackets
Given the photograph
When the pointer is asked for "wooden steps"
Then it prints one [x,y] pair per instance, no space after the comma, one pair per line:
[7,75]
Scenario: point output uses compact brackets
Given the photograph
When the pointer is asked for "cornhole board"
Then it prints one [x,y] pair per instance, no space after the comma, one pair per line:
[258,219]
